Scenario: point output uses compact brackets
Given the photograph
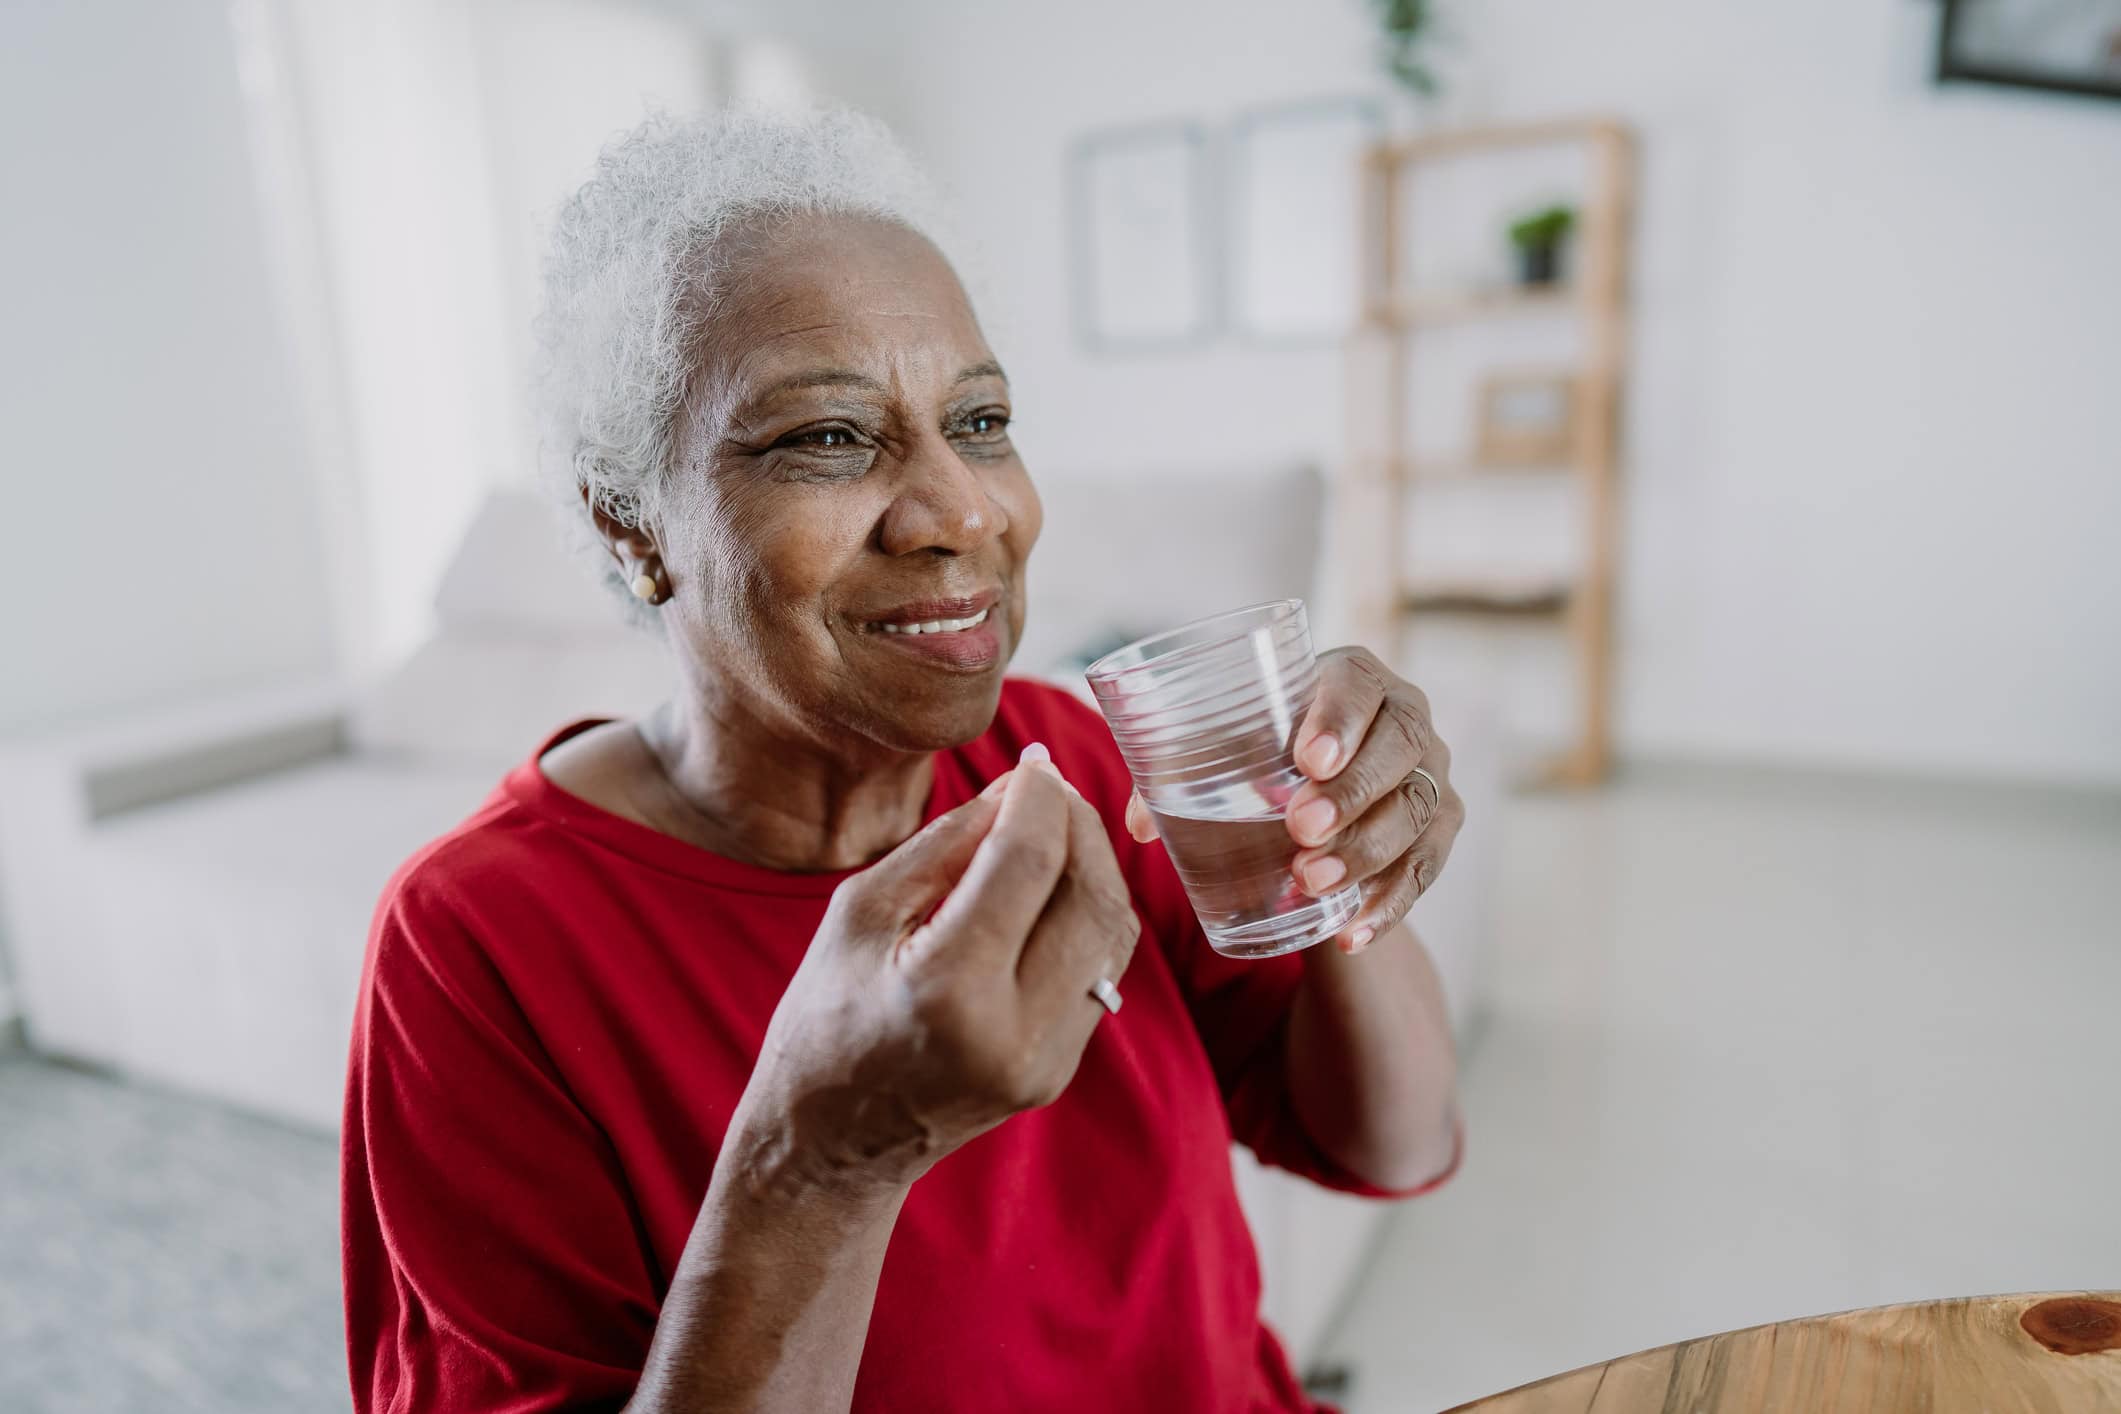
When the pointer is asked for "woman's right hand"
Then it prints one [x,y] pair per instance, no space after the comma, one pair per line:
[903,1035]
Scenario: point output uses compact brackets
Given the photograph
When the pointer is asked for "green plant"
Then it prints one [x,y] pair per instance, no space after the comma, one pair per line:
[1543,228]
[1407,28]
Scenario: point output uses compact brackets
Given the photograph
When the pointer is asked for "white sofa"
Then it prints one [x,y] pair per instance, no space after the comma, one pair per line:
[186,895]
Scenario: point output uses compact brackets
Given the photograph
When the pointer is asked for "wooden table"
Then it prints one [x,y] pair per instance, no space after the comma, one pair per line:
[2057,1353]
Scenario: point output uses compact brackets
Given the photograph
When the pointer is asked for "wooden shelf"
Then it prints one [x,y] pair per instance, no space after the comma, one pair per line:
[1466,469]
[1432,307]
[1382,471]
[1458,142]
[1488,598]
[1431,471]
[1581,767]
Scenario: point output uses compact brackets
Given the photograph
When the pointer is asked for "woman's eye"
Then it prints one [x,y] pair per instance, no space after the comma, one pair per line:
[987,424]
[827,437]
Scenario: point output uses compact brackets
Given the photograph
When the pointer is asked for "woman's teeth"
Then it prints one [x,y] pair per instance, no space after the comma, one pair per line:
[938,625]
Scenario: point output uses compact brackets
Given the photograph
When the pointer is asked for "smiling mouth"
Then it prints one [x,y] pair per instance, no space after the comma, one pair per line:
[935,625]
[961,633]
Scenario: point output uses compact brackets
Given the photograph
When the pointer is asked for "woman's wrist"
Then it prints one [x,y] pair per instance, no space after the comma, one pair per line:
[769,1304]
[768,1165]
[1372,1068]
[771,1219]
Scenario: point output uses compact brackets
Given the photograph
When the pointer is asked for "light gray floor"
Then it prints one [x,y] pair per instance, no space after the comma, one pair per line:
[1765,1048]
[161,1256]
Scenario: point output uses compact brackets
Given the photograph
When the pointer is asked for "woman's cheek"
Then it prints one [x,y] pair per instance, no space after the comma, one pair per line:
[1026,515]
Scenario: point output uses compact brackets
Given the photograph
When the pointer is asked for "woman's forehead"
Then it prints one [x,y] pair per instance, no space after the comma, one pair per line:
[844,297]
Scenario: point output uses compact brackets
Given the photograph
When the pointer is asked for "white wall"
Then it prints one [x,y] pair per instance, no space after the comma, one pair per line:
[400,195]
[561,78]
[160,537]
[1001,91]
[433,138]
[1871,476]
[1874,471]
[439,137]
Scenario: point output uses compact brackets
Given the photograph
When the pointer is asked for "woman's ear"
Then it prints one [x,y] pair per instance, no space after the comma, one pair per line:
[634,554]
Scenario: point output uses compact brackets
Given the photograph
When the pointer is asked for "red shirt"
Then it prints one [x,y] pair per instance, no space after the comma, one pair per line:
[559,1010]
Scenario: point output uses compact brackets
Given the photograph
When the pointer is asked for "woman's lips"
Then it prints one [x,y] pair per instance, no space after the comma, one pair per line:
[938,611]
[968,642]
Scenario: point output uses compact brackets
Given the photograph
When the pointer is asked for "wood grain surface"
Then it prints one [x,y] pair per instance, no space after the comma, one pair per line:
[2055,1353]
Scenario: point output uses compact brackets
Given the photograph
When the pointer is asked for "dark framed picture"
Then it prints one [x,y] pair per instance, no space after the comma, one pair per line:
[1143,238]
[2059,46]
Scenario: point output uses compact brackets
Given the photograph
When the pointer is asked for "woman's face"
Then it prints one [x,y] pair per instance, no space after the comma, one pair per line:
[845,475]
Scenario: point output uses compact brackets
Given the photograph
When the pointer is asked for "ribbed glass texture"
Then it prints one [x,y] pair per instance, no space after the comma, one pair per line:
[1206,717]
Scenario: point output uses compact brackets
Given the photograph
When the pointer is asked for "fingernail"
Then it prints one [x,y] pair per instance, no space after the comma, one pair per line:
[1314,819]
[997,785]
[1362,938]
[1323,754]
[1324,873]
[1039,759]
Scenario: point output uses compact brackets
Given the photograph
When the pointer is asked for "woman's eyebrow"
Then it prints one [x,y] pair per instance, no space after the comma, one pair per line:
[849,378]
[822,378]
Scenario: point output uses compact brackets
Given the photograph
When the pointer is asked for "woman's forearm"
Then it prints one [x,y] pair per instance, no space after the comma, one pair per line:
[769,1307]
[1372,1071]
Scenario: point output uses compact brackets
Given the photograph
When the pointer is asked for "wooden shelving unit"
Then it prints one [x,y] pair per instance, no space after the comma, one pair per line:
[1496,598]
[1457,306]
[1380,468]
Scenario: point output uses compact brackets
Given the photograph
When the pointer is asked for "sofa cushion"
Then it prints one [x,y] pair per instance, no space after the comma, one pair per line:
[488,700]
[236,921]
[515,572]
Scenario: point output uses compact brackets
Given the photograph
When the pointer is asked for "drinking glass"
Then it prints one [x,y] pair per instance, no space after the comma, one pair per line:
[1206,717]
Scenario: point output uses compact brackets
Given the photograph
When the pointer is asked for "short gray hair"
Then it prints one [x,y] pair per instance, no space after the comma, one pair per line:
[631,278]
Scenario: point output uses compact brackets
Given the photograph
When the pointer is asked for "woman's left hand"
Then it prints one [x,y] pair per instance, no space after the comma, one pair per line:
[1365,815]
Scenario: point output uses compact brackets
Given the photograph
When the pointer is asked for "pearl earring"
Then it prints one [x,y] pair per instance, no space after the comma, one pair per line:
[644,588]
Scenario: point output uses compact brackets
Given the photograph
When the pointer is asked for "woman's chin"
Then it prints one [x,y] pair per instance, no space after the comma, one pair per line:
[938,715]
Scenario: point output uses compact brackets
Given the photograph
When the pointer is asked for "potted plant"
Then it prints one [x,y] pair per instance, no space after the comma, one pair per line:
[1538,238]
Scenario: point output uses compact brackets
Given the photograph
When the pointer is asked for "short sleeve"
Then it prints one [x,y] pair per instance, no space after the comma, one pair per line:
[492,1258]
[1241,1009]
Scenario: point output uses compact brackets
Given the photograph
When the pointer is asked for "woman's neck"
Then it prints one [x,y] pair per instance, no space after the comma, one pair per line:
[730,783]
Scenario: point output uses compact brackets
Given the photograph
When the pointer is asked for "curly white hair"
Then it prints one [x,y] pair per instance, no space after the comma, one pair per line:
[633,275]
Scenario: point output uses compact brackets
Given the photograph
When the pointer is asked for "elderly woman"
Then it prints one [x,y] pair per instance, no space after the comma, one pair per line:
[750,1055]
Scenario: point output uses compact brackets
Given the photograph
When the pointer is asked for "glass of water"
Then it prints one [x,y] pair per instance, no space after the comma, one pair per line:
[1206,716]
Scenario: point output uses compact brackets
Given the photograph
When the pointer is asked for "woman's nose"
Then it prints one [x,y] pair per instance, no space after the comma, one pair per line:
[942,504]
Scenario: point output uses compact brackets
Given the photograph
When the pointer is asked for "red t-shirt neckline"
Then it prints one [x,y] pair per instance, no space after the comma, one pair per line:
[534,791]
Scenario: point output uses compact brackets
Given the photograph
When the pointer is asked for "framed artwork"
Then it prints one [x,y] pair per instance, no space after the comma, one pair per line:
[1142,238]
[2060,46]
[1527,419]
[1295,225]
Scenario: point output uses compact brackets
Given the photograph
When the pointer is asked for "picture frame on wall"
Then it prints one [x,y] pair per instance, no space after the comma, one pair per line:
[1527,419]
[1142,238]
[1295,252]
[2056,46]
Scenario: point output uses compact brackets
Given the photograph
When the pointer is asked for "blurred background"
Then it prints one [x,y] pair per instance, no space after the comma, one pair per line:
[1714,406]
